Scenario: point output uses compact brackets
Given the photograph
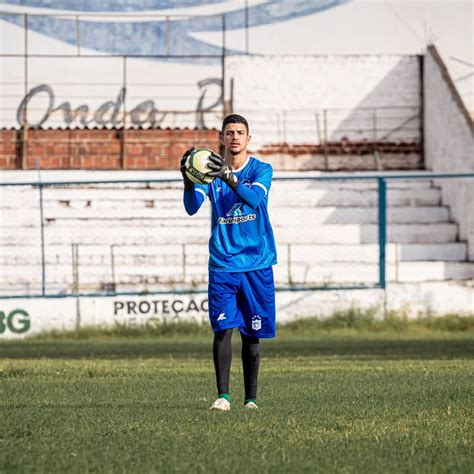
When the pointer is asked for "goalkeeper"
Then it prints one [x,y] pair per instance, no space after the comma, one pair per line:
[242,252]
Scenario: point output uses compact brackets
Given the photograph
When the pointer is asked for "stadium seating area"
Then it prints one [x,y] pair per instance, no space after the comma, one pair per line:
[137,237]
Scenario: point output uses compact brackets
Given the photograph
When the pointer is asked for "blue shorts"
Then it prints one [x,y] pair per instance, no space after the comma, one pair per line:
[244,300]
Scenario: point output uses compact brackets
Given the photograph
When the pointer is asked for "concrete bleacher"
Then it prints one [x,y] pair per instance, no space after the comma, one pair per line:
[137,237]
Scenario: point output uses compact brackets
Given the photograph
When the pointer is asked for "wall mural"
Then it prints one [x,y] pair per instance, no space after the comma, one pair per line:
[149,37]
[168,43]
[110,113]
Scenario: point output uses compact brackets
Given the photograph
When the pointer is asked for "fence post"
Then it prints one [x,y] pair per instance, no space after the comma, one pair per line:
[288,264]
[112,266]
[223,65]
[123,136]
[168,40]
[325,126]
[382,229]
[325,138]
[24,129]
[43,261]
[75,268]
[183,253]
[247,48]
[75,277]
[78,36]
[374,125]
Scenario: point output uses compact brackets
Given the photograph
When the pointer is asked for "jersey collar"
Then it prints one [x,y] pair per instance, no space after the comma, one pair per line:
[243,166]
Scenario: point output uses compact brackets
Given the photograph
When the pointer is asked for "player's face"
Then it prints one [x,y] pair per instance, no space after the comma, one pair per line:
[235,138]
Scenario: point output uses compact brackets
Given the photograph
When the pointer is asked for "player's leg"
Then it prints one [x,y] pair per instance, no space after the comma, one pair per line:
[256,300]
[224,315]
[250,365]
[222,355]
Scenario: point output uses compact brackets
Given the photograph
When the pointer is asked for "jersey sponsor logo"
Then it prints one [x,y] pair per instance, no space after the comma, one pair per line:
[256,322]
[221,317]
[237,220]
[236,210]
[236,215]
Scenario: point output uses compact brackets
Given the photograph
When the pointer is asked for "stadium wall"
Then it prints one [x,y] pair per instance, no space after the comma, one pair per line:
[102,149]
[358,112]
[282,95]
[449,142]
[158,149]
[22,317]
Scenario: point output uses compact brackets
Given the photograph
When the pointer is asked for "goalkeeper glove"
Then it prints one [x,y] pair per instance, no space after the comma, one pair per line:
[188,184]
[220,169]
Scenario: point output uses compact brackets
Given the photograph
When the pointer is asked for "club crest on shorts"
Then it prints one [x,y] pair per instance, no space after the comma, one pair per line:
[256,322]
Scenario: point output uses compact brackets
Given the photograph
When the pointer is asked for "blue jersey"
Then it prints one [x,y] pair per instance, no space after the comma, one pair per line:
[242,237]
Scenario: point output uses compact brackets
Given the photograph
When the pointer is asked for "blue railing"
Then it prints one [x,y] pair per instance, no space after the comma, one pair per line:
[381,179]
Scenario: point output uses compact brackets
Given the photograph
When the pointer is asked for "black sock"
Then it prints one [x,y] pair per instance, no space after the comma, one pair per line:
[250,364]
[222,353]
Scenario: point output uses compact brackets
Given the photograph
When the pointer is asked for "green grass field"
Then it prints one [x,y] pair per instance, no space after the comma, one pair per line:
[329,402]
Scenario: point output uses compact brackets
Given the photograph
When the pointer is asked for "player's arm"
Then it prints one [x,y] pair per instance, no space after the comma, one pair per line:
[193,199]
[220,169]
[252,196]
[193,196]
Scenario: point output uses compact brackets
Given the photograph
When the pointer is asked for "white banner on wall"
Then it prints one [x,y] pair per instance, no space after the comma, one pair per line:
[29,316]
[22,317]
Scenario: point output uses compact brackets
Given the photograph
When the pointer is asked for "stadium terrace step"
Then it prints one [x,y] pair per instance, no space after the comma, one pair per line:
[366,234]
[306,195]
[326,231]
[302,273]
[286,215]
[179,255]
[143,233]
[369,253]
[342,273]
[358,215]
[115,217]
[356,198]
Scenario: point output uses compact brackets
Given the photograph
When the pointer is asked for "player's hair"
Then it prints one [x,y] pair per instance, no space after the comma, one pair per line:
[235,118]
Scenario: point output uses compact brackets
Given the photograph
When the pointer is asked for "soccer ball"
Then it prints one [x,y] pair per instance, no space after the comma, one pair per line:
[196,166]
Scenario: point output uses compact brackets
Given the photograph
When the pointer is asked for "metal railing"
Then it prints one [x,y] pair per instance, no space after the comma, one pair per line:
[339,126]
[68,252]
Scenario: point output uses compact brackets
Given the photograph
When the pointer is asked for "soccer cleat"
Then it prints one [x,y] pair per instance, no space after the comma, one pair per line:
[221,404]
[251,406]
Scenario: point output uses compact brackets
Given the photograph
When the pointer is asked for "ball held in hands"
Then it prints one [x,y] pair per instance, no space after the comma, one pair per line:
[194,166]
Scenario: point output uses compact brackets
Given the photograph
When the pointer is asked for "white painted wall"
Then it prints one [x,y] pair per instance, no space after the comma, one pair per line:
[281,95]
[359,27]
[449,143]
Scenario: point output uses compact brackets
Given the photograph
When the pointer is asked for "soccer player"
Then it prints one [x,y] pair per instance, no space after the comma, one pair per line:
[242,252]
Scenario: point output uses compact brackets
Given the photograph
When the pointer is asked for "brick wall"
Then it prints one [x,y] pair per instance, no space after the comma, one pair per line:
[9,149]
[158,149]
[161,149]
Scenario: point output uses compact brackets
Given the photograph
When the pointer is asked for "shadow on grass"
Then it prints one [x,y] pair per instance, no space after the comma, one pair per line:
[447,347]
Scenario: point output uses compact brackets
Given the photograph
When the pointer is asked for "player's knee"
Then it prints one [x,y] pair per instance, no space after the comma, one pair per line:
[249,340]
[221,335]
